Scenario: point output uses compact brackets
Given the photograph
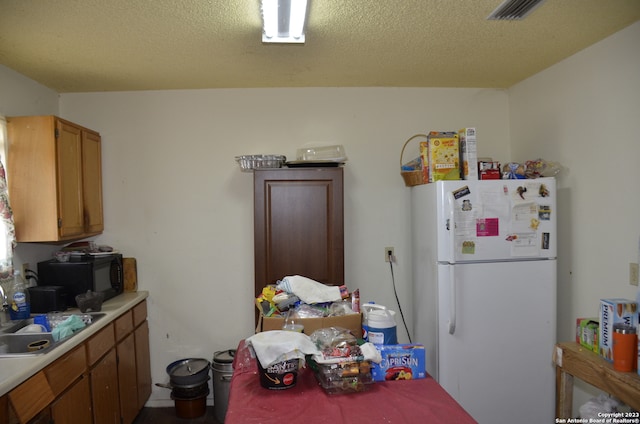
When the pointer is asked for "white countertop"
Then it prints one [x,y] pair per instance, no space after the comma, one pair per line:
[14,371]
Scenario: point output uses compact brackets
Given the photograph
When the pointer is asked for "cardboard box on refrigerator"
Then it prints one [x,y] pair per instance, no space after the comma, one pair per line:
[351,322]
[468,153]
[614,312]
[443,154]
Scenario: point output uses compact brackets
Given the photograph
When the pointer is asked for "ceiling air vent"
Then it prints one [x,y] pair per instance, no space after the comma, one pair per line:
[514,10]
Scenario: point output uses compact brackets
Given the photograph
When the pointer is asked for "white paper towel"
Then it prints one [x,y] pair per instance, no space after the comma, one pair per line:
[276,346]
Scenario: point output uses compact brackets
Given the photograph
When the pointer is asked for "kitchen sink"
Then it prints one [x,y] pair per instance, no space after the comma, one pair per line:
[26,344]
[14,343]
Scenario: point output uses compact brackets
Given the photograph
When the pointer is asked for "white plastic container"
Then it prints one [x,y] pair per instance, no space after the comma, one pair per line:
[333,153]
[379,324]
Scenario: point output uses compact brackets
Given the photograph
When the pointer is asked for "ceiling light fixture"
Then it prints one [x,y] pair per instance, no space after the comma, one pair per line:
[283,21]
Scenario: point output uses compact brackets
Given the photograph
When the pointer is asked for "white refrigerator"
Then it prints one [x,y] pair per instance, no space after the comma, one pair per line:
[484,281]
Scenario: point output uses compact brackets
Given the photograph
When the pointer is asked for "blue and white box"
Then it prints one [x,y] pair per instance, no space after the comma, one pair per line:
[614,312]
[400,362]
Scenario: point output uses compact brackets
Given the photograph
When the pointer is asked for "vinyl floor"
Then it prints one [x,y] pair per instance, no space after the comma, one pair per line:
[168,416]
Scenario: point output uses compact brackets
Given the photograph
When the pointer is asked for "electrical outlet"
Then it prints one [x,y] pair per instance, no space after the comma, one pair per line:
[25,267]
[389,255]
[633,274]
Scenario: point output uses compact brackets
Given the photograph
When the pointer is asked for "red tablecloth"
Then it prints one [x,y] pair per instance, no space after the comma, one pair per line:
[408,401]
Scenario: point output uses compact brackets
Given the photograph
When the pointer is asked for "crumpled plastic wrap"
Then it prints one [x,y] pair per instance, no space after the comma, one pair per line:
[308,290]
[596,406]
[541,168]
[337,344]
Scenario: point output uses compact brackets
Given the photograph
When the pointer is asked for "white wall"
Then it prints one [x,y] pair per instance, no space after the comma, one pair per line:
[20,95]
[175,198]
[583,113]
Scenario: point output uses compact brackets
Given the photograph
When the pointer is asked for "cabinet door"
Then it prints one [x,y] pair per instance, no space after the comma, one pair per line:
[31,173]
[127,379]
[74,406]
[104,389]
[143,363]
[92,182]
[54,175]
[70,200]
[31,397]
[298,225]
[62,373]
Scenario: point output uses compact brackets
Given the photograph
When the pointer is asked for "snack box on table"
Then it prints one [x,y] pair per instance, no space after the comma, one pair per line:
[614,312]
[351,322]
[587,333]
[400,362]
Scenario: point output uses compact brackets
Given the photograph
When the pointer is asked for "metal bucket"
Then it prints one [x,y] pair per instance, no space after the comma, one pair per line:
[222,366]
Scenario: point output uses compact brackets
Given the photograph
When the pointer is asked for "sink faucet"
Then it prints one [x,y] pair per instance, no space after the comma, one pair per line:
[4,309]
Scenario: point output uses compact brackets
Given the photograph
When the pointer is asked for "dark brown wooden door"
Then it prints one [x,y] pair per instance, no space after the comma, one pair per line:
[298,225]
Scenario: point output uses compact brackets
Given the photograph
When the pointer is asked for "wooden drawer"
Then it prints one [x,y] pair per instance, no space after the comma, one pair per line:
[31,397]
[66,370]
[123,325]
[100,344]
[139,313]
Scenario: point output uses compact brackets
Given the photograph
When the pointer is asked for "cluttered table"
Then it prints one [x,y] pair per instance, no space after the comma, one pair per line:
[408,401]
[573,360]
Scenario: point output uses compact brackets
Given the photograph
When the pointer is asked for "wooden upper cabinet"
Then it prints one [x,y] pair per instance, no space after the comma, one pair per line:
[55,179]
[69,185]
[92,181]
[298,225]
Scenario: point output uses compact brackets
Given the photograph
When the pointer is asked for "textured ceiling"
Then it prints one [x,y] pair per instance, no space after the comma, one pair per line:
[117,45]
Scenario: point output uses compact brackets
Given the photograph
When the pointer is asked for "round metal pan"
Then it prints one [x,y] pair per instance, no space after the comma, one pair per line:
[188,372]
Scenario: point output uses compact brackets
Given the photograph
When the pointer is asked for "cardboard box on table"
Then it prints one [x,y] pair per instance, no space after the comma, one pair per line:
[351,322]
[614,312]
[587,333]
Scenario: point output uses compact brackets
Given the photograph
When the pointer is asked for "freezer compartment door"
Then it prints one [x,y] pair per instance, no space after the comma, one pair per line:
[496,220]
[496,328]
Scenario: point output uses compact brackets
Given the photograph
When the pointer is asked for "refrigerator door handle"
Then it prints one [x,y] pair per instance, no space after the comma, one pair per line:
[452,301]
[451,226]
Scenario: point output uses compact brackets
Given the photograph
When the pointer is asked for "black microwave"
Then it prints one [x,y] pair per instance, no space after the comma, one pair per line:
[82,273]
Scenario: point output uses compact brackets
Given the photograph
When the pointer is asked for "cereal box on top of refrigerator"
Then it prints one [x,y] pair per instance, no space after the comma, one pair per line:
[443,156]
[468,154]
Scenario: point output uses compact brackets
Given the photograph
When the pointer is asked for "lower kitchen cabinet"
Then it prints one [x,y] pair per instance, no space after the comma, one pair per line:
[104,390]
[73,406]
[143,362]
[30,399]
[127,379]
[105,380]
[4,409]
